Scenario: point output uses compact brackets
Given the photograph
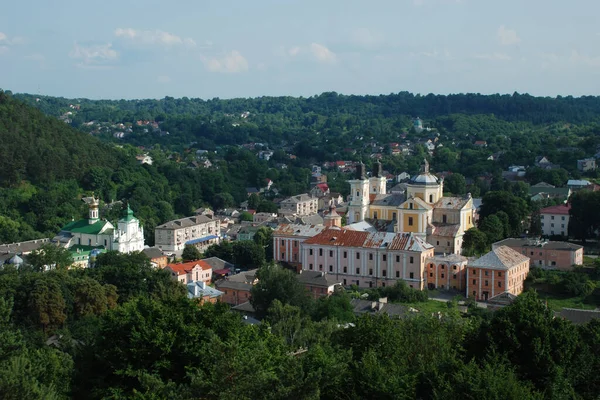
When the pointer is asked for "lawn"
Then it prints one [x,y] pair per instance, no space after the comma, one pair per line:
[557,303]
[429,306]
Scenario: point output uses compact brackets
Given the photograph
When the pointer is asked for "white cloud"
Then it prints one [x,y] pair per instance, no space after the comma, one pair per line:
[232,62]
[507,37]
[294,51]
[100,55]
[322,54]
[493,57]
[584,59]
[157,37]
[163,79]
[367,38]
[3,37]
[3,50]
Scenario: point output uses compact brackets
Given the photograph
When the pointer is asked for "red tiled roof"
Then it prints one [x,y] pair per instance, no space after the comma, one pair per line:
[560,209]
[349,238]
[323,186]
[339,237]
[184,268]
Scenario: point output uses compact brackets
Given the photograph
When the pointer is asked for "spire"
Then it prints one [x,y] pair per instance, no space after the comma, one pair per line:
[425,166]
[377,169]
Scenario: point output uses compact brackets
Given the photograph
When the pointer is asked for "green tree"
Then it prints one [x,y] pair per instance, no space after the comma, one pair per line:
[475,242]
[190,253]
[47,305]
[515,207]
[248,254]
[50,256]
[456,184]
[253,201]
[246,216]
[493,229]
[264,238]
[276,283]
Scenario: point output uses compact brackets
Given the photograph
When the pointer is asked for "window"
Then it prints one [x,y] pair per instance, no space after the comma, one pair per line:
[383,272]
[410,206]
[320,267]
[282,255]
[394,216]
[442,276]
[454,267]
[412,260]
[486,273]
[431,274]
[375,214]
[444,219]
[454,276]
[383,284]
[469,219]
[310,267]
[310,252]
[357,271]
[370,256]
[370,271]
[431,198]
[410,221]
[553,262]
[330,253]
[443,266]
[384,258]
[551,225]
[345,255]
[320,252]
[486,283]
[397,274]
[552,217]
[358,256]
[540,253]
[448,244]
[563,217]
[344,282]
[106,241]
[474,293]
[412,275]
[89,242]
[295,243]
[474,281]
[282,242]
[345,270]
[499,284]
[370,284]
[397,258]
[499,274]
[438,243]
[532,253]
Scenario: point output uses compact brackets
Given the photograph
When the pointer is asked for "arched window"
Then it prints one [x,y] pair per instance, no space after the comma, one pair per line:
[431,198]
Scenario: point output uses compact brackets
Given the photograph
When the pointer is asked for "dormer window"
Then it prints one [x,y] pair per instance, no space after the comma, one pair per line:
[410,206]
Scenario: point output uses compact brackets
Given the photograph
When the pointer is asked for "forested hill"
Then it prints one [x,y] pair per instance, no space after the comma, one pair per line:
[515,107]
[42,149]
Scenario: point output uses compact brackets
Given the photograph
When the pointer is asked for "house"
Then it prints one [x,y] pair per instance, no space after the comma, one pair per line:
[578,184]
[544,163]
[586,164]
[23,248]
[403,176]
[317,177]
[262,217]
[156,256]
[320,189]
[192,271]
[367,259]
[302,204]
[220,268]
[287,239]
[236,288]
[204,293]
[265,155]
[144,159]
[500,270]
[543,190]
[555,220]
[247,232]
[446,271]
[546,254]
[268,184]
[318,283]
[500,301]
[252,190]
[480,143]
[200,231]
[333,197]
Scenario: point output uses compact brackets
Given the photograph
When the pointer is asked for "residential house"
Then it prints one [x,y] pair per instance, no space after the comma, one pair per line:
[247,232]
[579,184]
[555,220]
[542,190]
[200,231]
[236,288]
[333,197]
[144,159]
[544,163]
[320,189]
[252,190]
[546,254]
[287,239]
[23,248]
[403,176]
[192,271]
[586,165]
[204,293]
[220,267]
[156,256]
[262,217]
[480,143]
[367,259]
[501,270]
[318,283]
[302,204]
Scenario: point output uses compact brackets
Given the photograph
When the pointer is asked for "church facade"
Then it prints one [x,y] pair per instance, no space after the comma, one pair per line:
[421,210]
[97,233]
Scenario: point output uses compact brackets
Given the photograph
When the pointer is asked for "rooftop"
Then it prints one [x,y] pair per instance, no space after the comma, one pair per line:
[153,252]
[502,257]
[562,209]
[298,198]
[83,226]
[317,278]
[390,199]
[348,238]
[525,242]
[184,268]
[23,247]
[185,222]
[298,230]
[452,203]
[578,316]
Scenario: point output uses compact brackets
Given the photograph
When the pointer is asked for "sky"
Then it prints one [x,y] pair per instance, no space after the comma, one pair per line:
[132,49]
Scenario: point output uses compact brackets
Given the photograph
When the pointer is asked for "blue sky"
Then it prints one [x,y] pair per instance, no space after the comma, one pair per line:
[204,48]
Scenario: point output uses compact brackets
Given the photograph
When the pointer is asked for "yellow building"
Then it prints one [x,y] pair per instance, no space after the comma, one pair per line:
[422,209]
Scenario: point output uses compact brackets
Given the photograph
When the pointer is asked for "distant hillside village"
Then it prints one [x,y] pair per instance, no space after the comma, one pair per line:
[388,229]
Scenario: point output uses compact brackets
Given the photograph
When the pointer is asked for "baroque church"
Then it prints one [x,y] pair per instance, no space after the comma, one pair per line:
[421,209]
[127,237]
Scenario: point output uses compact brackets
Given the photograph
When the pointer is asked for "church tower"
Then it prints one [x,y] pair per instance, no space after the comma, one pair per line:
[359,196]
[425,186]
[333,218]
[93,204]
[377,182]
[130,235]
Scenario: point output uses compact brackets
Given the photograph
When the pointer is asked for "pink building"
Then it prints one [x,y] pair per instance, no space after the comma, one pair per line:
[287,239]
[547,254]
[193,271]
[367,259]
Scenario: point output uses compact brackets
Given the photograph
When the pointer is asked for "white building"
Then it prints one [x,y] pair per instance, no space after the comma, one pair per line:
[555,220]
[302,204]
[200,231]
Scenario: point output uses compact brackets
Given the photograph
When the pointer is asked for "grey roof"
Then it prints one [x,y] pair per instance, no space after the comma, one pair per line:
[241,281]
[300,230]
[317,278]
[536,243]
[363,226]
[578,316]
[501,257]
[199,289]
[448,258]
[15,260]
[502,299]
[314,219]
[578,182]
[391,199]
[426,179]
[477,202]
[533,190]
[360,306]
[399,188]
[216,263]
[23,247]
[298,198]
[543,185]
[452,203]
[244,307]
[153,252]
[185,222]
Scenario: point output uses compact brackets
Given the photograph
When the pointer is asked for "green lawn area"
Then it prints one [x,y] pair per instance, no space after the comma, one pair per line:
[428,307]
[558,303]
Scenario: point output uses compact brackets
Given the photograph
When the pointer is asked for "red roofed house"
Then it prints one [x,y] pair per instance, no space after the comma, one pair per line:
[367,259]
[320,189]
[481,143]
[555,220]
[192,271]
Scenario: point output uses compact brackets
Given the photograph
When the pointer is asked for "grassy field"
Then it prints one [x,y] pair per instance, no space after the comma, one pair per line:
[558,303]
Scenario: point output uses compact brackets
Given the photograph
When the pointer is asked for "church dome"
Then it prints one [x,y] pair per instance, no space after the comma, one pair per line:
[425,177]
